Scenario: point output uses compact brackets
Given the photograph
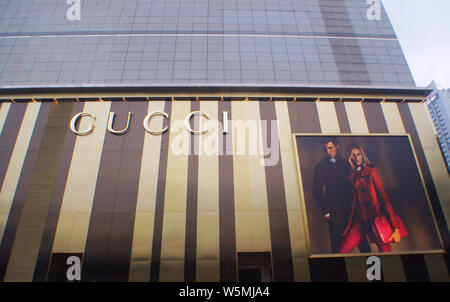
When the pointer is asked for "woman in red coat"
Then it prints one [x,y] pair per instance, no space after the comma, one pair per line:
[370,199]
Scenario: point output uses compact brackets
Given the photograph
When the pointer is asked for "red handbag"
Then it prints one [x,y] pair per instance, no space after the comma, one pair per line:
[383,229]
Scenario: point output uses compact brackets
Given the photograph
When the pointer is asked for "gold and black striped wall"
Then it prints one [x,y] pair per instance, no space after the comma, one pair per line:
[135,211]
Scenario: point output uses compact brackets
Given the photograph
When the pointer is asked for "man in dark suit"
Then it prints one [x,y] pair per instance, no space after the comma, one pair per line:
[333,193]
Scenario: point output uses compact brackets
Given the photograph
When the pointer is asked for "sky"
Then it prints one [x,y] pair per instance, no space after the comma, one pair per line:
[423,29]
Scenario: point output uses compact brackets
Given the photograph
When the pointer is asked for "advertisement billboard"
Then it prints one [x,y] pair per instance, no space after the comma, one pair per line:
[364,194]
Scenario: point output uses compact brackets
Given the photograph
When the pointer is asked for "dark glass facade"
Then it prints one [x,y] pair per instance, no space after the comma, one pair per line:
[162,42]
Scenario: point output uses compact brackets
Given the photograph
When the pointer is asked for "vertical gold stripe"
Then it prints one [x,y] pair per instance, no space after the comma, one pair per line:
[291,188]
[356,269]
[174,221]
[424,127]
[328,117]
[73,222]
[393,118]
[251,209]
[145,208]
[437,269]
[3,114]
[356,117]
[392,265]
[12,176]
[30,228]
[258,187]
[241,175]
[208,258]
[433,156]
[356,266]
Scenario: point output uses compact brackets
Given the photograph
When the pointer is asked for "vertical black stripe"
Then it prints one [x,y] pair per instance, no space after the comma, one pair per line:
[294,117]
[9,134]
[376,122]
[410,128]
[110,235]
[227,225]
[22,187]
[159,206]
[304,118]
[342,117]
[96,253]
[124,212]
[51,223]
[190,251]
[415,268]
[375,118]
[276,197]
[328,270]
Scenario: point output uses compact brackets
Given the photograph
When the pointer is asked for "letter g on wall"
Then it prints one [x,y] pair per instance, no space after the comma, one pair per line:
[75,119]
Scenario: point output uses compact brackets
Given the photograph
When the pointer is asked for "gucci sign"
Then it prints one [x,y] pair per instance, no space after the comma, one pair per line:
[145,123]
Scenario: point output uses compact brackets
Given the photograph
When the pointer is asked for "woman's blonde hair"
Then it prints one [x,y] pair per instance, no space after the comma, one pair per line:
[349,149]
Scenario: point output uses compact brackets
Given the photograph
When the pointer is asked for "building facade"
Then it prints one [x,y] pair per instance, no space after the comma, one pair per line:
[198,42]
[438,103]
[152,203]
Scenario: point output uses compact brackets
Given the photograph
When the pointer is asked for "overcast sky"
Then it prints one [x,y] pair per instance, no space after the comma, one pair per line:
[423,28]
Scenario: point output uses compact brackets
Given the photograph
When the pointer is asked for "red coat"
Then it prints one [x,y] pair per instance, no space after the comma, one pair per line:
[371,195]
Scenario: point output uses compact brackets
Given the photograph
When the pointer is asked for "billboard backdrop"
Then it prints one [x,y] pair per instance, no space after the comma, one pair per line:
[327,186]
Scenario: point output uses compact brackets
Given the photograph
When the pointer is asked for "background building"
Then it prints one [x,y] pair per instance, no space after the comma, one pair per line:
[130,207]
[439,105]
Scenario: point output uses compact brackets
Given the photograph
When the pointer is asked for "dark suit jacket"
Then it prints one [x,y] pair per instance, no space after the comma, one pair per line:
[332,188]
